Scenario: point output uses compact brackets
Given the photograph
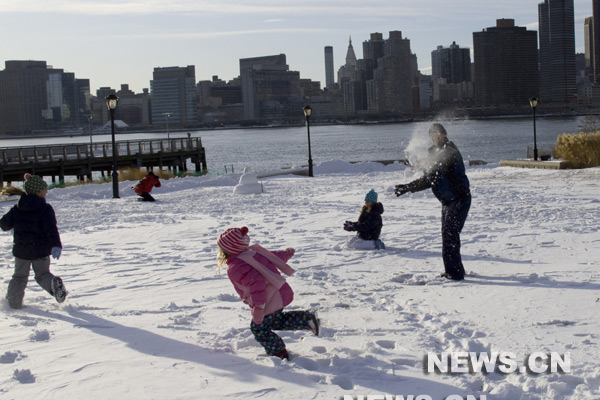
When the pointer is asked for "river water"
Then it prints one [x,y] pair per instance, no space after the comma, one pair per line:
[490,140]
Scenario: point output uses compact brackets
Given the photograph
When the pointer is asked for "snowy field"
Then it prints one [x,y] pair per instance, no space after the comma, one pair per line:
[148,317]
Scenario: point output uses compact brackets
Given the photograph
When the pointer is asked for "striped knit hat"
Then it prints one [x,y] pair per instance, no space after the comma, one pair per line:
[234,240]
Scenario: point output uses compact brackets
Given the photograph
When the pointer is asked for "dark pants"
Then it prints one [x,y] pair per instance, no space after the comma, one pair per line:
[18,283]
[453,219]
[146,196]
[278,321]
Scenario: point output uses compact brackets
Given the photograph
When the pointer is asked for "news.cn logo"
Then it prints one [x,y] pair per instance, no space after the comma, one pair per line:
[504,362]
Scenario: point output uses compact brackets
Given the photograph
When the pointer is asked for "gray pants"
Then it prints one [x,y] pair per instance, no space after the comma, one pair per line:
[18,283]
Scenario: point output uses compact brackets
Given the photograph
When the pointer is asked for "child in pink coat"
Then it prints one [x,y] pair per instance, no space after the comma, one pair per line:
[254,273]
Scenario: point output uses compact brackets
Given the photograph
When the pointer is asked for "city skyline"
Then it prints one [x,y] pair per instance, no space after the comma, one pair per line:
[113,43]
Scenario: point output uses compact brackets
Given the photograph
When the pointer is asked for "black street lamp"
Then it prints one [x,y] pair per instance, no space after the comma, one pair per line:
[90,126]
[168,115]
[307,110]
[533,102]
[111,103]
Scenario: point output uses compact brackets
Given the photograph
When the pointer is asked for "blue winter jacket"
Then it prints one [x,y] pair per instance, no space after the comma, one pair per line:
[446,177]
[34,224]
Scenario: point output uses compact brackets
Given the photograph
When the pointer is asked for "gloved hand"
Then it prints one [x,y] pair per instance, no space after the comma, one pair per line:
[258,313]
[56,252]
[290,251]
[401,189]
[349,226]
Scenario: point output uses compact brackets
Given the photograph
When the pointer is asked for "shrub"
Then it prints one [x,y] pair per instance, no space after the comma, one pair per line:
[581,150]
[135,174]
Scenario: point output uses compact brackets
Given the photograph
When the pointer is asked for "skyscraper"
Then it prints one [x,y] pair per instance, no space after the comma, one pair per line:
[48,98]
[173,91]
[395,76]
[557,51]
[588,37]
[451,63]
[506,64]
[269,90]
[329,75]
[596,40]
[346,70]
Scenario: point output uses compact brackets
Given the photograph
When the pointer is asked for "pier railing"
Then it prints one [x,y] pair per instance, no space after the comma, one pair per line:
[82,159]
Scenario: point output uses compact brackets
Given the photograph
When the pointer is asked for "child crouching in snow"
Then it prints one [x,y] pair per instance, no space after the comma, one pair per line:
[368,225]
[254,272]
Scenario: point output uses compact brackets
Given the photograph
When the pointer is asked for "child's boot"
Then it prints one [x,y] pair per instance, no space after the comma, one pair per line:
[58,289]
[283,354]
[313,324]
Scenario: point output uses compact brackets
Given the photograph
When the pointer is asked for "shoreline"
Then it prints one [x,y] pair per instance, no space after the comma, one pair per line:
[57,134]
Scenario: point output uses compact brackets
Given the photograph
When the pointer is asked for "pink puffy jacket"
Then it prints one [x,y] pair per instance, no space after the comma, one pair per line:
[255,290]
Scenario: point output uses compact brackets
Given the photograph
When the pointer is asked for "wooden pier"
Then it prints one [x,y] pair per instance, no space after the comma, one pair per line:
[81,160]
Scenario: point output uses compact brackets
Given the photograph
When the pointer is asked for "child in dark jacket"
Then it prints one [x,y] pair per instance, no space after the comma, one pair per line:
[36,237]
[369,222]
[254,273]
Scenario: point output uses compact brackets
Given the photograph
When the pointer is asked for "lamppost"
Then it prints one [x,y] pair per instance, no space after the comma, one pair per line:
[111,103]
[307,110]
[168,115]
[91,143]
[533,102]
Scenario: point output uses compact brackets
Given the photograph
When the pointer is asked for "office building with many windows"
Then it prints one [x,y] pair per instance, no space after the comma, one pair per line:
[173,96]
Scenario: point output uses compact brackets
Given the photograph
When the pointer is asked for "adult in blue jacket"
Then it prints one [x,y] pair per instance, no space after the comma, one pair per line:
[36,237]
[447,179]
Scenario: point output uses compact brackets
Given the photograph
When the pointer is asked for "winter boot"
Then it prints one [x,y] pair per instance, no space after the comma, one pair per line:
[58,289]
[15,294]
[313,324]
[283,354]
[14,302]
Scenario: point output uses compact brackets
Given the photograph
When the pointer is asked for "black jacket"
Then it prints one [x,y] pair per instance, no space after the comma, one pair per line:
[446,177]
[369,222]
[34,224]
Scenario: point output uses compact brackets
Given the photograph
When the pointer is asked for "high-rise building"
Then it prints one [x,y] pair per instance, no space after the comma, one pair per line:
[451,74]
[173,96]
[506,64]
[588,38]
[595,42]
[329,75]
[453,64]
[391,89]
[133,109]
[269,90]
[346,70]
[557,51]
[373,50]
[35,96]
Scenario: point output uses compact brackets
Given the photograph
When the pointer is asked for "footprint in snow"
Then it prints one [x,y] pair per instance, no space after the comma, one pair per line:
[24,376]
[344,382]
[387,344]
[10,357]
[40,336]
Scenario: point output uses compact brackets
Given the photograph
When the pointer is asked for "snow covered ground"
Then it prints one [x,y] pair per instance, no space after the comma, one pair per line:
[148,317]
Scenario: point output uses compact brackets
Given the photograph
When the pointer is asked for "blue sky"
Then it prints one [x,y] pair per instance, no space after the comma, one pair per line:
[114,42]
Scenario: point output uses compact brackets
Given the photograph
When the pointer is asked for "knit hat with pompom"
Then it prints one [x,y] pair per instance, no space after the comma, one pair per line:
[371,196]
[34,185]
[234,240]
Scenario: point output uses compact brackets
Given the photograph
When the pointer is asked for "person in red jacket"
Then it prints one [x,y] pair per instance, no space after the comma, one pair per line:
[144,187]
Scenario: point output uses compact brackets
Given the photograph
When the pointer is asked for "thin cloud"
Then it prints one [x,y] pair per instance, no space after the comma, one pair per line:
[204,35]
[381,8]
